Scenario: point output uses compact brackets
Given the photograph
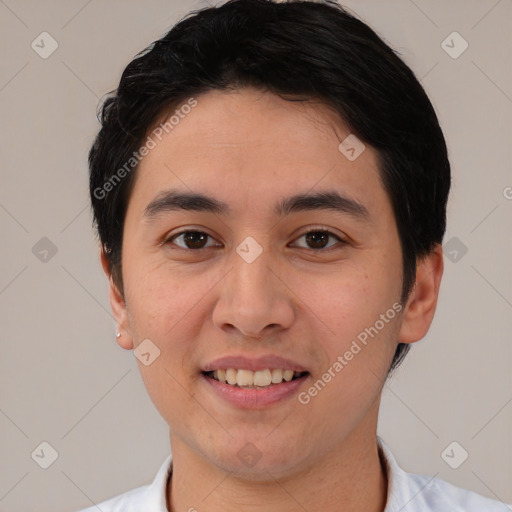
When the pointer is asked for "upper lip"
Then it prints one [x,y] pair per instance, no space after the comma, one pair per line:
[258,363]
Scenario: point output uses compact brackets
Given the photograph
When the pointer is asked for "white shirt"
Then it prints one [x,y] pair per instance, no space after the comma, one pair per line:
[407,492]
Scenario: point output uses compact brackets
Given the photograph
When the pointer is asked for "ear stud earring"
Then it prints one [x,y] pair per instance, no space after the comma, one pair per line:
[118,334]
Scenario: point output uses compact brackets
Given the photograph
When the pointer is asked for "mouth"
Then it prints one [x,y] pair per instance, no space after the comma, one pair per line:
[254,382]
[248,379]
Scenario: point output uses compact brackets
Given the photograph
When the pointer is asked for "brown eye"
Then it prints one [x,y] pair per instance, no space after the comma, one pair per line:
[319,239]
[190,239]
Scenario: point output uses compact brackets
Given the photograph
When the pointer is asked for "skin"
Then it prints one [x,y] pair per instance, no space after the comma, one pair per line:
[251,149]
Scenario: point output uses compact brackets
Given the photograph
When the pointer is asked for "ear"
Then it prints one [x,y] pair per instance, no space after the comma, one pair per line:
[421,304]
[117,303]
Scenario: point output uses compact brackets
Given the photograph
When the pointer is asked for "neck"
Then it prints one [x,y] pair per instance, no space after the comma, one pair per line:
[349,479]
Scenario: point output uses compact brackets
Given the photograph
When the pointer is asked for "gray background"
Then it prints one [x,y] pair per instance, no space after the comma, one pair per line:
[63,378]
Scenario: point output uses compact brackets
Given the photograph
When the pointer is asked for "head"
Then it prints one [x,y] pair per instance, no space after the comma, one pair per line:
[251,104]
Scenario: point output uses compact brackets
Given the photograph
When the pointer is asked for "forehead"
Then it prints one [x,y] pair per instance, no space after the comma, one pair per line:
[252,147]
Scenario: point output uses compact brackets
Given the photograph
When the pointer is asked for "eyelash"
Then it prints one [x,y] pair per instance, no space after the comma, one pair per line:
[322,230]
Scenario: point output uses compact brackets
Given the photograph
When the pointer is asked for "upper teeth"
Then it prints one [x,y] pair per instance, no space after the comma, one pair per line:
[259,378]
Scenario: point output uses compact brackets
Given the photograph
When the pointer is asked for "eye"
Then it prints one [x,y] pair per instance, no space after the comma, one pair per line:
[318,239]
[191,240]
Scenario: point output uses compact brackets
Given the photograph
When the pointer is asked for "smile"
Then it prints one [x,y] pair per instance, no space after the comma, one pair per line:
[249,379]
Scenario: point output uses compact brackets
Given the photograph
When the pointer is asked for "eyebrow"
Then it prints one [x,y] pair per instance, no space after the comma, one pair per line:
[173,200]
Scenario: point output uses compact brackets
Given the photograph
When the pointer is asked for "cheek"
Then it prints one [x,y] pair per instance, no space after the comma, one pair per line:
[363,328]
[357,322]
[169,307]
[346,302]
[160,297]
[163,308]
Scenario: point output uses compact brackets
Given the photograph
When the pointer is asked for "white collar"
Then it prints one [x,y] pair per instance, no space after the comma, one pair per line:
[397,478]
[407,492]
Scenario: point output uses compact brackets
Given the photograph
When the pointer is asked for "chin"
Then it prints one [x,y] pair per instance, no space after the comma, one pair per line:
[257,460]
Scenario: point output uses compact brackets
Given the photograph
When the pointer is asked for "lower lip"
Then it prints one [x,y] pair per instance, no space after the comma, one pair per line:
[255,398]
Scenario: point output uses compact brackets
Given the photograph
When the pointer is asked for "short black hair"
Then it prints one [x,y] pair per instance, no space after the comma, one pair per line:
[298,50]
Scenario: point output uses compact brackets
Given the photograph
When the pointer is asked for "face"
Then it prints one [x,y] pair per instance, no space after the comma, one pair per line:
[255,277]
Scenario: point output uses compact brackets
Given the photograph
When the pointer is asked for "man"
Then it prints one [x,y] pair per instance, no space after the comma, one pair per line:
[270,187]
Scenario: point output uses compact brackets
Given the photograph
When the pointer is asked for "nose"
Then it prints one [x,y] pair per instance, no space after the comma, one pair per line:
[254,300]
